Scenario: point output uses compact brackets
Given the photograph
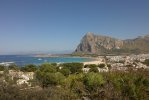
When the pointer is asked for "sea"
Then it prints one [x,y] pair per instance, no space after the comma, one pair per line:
[22,60]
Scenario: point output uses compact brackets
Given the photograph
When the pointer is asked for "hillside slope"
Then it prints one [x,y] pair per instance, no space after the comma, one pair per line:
[97,44]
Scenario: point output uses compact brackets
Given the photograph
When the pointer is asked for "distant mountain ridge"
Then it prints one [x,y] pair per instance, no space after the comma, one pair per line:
[98,44]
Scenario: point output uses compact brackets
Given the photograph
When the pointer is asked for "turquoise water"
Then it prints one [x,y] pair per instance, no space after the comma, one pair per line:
[23,60]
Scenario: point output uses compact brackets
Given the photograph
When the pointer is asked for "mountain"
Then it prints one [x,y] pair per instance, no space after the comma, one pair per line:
[98,44]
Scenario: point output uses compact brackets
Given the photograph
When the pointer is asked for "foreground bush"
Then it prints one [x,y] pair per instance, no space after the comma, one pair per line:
[73,67]
[2,68]
[94,69]
[47,75]
[29,68]
[65,84]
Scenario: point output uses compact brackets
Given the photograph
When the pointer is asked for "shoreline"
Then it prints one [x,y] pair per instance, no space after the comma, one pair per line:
[95,61]
[38,60]
[92,60]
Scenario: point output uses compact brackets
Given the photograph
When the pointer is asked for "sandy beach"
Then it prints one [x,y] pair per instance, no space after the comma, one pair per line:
[95,61]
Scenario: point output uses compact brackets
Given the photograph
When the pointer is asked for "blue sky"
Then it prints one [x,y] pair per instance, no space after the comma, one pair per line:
[58,25]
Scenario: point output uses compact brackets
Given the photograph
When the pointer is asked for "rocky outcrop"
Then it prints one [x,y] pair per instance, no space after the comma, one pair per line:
[98,44]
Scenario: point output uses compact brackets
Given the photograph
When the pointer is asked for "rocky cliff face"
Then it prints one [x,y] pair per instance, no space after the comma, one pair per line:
[91,43]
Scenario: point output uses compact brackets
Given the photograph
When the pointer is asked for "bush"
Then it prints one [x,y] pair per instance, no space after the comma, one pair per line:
[75,84]
[54,64]
[50,79]
[13,67]
[101,65]
[130,85]
[109,66]
[29,68]
[90,66]
[73,67]
[47,75]
[94,69]
[47,68]
[65,71]
[59,77]
[2,68]
[146,62]
[94,80]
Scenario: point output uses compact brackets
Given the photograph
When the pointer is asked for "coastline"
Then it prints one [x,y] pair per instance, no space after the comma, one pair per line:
[32,59]
[91,60]
[95,60]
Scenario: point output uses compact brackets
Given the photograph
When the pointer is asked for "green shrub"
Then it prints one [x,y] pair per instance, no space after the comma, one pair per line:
[54,64]
[2,68]
[65,71]
[117,85]
[108,65]
[47,75]
[146,62]
[93,80]
[13,67]
[94,69]
[75,82]
[101,65]
[130,85]
[46,67]
[91,65]
[73,67]
[29,68]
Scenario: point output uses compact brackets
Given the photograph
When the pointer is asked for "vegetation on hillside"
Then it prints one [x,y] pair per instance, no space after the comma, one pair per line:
[68,82]
[146,62]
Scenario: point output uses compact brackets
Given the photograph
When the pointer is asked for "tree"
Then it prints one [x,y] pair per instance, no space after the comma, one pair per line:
[93,81]
[54,64]
[2,68]
[29,68]
[46,67]
[13,67]
[109,66]
[146,62]
[94,69]
[59,77]
[91,65]
[65,71]
[74,83]
[47,75]
[73,67]
[101,65]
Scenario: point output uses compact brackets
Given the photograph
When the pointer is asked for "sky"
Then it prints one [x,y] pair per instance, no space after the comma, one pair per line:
[58,25]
